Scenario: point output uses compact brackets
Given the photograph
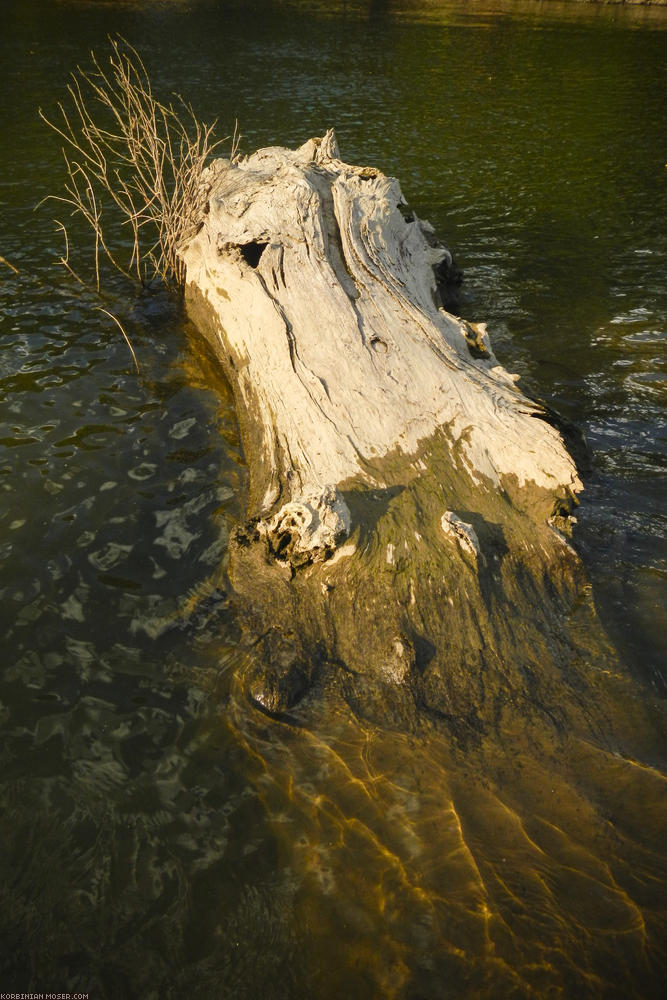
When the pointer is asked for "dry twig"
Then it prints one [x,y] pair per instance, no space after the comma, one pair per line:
[134,168]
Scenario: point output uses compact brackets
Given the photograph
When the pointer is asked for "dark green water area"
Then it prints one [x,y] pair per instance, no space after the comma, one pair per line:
[160,837]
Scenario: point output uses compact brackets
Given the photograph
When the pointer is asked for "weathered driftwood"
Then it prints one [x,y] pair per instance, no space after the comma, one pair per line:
[405,498]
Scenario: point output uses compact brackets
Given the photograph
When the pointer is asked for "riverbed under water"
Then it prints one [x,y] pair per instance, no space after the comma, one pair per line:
[159,836]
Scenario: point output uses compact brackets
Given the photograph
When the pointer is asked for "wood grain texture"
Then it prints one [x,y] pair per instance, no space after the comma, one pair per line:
[404,537]
[334,337]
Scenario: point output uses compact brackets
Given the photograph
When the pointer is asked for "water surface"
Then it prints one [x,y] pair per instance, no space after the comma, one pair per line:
[158,836]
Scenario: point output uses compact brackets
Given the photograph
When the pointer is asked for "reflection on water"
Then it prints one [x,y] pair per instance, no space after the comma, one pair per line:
[160,836]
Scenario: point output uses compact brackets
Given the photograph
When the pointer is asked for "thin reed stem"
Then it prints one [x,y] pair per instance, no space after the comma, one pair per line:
[122,330]
[136,163]
[3,260]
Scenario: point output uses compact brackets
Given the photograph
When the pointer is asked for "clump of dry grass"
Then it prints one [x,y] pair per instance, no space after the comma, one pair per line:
[134,168]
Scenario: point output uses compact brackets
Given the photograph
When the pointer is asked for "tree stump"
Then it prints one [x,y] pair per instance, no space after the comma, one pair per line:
[408,506]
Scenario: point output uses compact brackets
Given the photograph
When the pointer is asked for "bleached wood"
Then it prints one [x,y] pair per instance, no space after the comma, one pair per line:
[330,323]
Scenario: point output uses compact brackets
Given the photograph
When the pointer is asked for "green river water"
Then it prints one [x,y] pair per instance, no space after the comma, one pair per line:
[159,837]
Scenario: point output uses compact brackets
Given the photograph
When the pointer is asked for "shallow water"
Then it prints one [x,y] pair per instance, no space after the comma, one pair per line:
[158,836]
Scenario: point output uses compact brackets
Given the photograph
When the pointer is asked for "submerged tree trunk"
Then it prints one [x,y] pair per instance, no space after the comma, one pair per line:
[408,505]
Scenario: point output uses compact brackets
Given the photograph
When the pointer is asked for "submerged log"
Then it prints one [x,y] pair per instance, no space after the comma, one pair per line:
[407,503]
